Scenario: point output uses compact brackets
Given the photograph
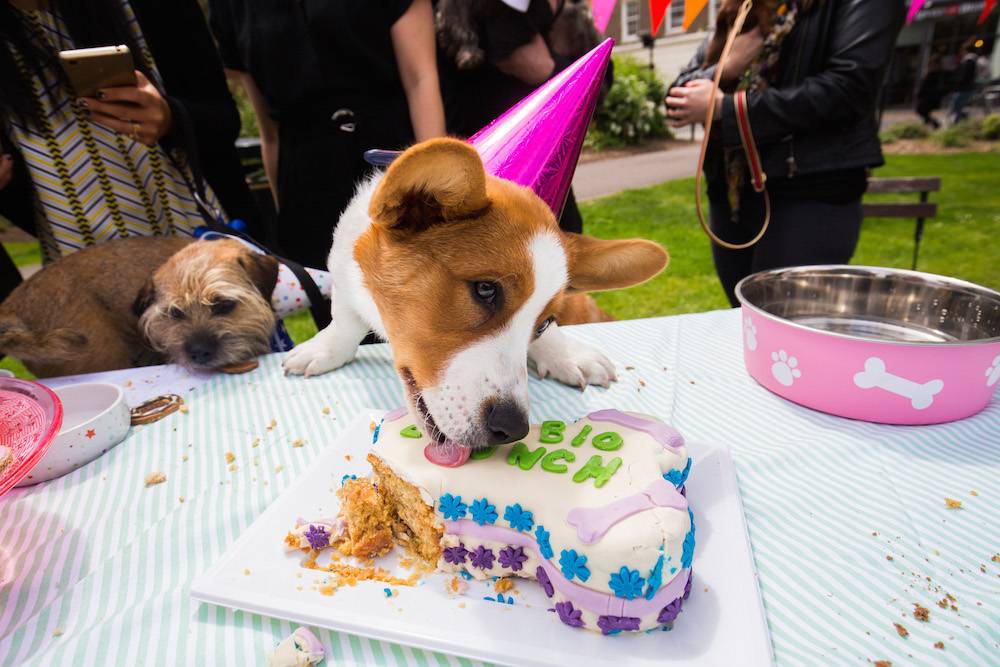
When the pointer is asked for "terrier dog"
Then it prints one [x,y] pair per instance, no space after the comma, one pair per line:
[142,301]
[466,276]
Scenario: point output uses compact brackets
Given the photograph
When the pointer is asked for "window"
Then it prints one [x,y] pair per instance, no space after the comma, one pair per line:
[675,20]
[630,19]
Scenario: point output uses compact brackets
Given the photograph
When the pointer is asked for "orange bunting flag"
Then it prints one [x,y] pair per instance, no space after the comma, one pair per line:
[657,10]
[692,8]
[987,8]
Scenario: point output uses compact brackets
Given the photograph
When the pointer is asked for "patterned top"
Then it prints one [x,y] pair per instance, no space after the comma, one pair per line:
[92,184]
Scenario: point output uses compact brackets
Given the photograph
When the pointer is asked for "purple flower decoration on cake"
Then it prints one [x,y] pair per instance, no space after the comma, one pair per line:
[482,558]
[626,583]
[519,519]
[612,625]
[573,565]
[452,507]
[568,615]
[543,579]
[688,552]
[318,537]
[513,557]
[455,555]
[669,613]
[542,537]
[483,512]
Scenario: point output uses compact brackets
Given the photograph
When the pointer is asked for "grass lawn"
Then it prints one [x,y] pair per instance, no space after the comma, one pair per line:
[961,242]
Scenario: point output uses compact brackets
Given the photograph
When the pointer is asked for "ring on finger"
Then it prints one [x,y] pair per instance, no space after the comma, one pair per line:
[135,130]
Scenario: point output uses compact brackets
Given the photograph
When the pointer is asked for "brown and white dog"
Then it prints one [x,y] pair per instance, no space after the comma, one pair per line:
[466,276]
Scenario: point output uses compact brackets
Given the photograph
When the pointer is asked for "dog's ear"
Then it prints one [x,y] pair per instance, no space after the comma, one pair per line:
[262,270]
[433,182]
[145,298]
[596,264]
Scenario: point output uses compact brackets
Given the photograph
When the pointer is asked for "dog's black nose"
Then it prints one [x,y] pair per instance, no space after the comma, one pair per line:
[201,349]
[505,422]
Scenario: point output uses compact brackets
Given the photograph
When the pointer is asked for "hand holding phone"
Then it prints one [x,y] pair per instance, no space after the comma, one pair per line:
[138,111]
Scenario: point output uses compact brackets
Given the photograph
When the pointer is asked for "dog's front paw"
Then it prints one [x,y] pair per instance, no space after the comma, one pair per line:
[316,356]
[572,363]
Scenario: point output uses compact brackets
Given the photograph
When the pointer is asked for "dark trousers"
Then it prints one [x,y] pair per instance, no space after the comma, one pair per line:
[802,232]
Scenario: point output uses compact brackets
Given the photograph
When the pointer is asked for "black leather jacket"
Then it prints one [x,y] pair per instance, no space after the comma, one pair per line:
[820,113]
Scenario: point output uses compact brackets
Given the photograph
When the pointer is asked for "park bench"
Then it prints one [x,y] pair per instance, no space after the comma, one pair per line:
[920,210]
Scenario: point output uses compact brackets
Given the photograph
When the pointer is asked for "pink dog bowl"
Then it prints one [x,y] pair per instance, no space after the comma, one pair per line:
[880,345]
[30,417]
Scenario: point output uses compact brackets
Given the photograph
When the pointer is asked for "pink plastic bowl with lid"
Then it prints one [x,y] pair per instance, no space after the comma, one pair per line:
[875,344]
[30,418]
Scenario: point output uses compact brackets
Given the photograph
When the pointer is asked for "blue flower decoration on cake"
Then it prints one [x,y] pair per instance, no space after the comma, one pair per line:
[483,512]
[688,552]
[573,565]
[452,507]
[627,583]
[519,519]
[655,578]
[678,477]
[542,537]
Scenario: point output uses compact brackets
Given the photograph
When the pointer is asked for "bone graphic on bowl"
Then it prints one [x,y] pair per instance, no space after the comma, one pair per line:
[921,395]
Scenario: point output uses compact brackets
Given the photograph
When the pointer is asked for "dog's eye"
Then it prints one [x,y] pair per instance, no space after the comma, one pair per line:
[176,313]
[487,293]
[544,325]
[223,307]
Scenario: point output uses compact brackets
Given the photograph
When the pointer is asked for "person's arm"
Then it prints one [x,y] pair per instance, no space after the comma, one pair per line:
[862,35]
[413,43]
[267,127]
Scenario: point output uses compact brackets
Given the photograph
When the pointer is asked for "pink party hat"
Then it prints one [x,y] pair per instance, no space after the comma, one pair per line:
[537,142]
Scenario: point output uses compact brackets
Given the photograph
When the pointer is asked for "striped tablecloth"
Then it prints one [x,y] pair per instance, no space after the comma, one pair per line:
[847,520]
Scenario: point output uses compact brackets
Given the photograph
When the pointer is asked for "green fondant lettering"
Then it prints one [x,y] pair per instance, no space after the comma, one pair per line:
[552,432]
[595,468]
[582,436]
[549,461]
[411,432]
[520,455]
[485,453]
[607,442]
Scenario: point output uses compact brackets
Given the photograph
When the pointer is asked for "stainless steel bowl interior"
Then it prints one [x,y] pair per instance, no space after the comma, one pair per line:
[876,303]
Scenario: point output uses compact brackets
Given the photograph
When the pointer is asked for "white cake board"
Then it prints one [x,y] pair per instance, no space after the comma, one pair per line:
[722,622]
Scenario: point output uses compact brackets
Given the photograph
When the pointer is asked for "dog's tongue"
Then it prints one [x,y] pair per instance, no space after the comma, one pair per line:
[448,454]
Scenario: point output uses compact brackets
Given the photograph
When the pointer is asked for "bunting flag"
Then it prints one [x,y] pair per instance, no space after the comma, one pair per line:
[987,8]
[692,8]
[915,6]
[602,10]
[657,10]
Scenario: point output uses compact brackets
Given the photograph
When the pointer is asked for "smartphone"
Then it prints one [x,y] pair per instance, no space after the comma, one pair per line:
[89,70]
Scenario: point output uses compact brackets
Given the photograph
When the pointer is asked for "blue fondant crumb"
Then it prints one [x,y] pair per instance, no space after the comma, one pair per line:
[678,477]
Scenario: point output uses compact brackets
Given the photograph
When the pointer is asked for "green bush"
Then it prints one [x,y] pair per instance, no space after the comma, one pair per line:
[958,135]
[633,111]
[990,128]
[904,131]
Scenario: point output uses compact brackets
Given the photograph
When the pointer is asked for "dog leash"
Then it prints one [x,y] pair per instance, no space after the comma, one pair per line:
[758,178]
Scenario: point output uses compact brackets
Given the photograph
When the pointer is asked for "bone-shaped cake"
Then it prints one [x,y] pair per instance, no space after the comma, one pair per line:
[593,510]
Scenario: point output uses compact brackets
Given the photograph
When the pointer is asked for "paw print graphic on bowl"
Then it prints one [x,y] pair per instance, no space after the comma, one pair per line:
[993,372]
[785,368]
[750,332]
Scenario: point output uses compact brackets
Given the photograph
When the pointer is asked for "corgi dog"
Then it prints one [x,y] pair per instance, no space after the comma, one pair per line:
[467,277]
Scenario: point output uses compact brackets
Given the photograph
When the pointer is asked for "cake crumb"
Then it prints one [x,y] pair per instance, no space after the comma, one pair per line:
[183,409]
[255,443]
[272,425]
[943,603]
[973,493]
[327,590]
[901,631]
[889,558]
[233,467]
[921,613]
[57,632]
[180,499]
[347,457]
[642,383]
[953,504]
[995,558]
[154,478]
[246,572]
[297,442]
[939,645]
[230,457]
[456,586]
[326,409]
[630,368]
[278,468]
[883,663]
[503,585]
[184,458]
[461,605]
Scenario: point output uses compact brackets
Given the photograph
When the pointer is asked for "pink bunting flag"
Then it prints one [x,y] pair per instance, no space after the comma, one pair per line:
[987,8]
[602,10]
[657,10]
[915,6]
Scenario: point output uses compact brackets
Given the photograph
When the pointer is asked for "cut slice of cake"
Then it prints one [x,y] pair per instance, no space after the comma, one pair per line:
[595,511]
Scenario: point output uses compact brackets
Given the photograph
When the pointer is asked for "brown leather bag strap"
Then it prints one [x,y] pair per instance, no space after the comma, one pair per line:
[757,176]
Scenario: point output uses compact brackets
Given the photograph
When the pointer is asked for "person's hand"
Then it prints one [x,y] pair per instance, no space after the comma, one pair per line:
[746,48]
[137,111]
[689,104]
[6,170]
